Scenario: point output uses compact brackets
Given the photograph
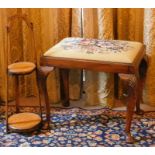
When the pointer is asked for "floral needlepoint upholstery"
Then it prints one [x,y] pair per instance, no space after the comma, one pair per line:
[117,51]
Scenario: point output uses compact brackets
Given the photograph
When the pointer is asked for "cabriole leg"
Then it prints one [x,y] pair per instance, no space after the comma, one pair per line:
[130,82]
[43,73]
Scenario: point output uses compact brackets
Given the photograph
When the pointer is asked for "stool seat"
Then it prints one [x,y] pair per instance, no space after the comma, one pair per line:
[21,67]
[113,51]
[24,121]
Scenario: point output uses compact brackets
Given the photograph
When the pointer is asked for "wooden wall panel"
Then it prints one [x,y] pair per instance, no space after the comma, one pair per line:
[2,53]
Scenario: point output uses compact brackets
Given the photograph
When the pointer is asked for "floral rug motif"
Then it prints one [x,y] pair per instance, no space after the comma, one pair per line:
[78,127]
[92,46]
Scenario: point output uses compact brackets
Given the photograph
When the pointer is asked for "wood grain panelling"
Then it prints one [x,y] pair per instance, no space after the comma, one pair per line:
[2,52]
[48,30]
[50,26]
[29,51]
[49,33]
[15,48]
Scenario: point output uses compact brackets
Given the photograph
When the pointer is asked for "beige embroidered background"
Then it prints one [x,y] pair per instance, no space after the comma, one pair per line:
[51,25]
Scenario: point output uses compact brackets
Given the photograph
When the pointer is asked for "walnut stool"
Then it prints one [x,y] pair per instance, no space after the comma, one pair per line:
[126,59]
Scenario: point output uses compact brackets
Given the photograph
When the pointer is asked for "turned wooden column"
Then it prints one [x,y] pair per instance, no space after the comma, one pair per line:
[17,92]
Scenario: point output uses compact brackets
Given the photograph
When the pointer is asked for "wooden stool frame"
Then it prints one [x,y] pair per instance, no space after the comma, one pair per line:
[132,75]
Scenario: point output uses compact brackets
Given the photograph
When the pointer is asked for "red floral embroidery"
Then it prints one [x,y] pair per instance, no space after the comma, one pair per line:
[92,46]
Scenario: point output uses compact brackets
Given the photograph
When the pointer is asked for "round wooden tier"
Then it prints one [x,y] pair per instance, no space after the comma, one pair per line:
[24,122]
[21,67]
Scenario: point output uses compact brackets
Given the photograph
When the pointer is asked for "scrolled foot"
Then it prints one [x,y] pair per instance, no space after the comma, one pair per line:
[7,131]
[65,103]
[139,112]
[129,138]
[46,126]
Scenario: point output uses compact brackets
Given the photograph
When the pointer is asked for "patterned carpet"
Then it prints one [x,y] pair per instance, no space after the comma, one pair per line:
[79,127]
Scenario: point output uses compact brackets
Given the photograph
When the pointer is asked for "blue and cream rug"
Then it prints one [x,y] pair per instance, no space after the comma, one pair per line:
[79,127]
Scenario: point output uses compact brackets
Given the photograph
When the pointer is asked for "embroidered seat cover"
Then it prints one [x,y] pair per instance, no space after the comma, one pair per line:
[118,51]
